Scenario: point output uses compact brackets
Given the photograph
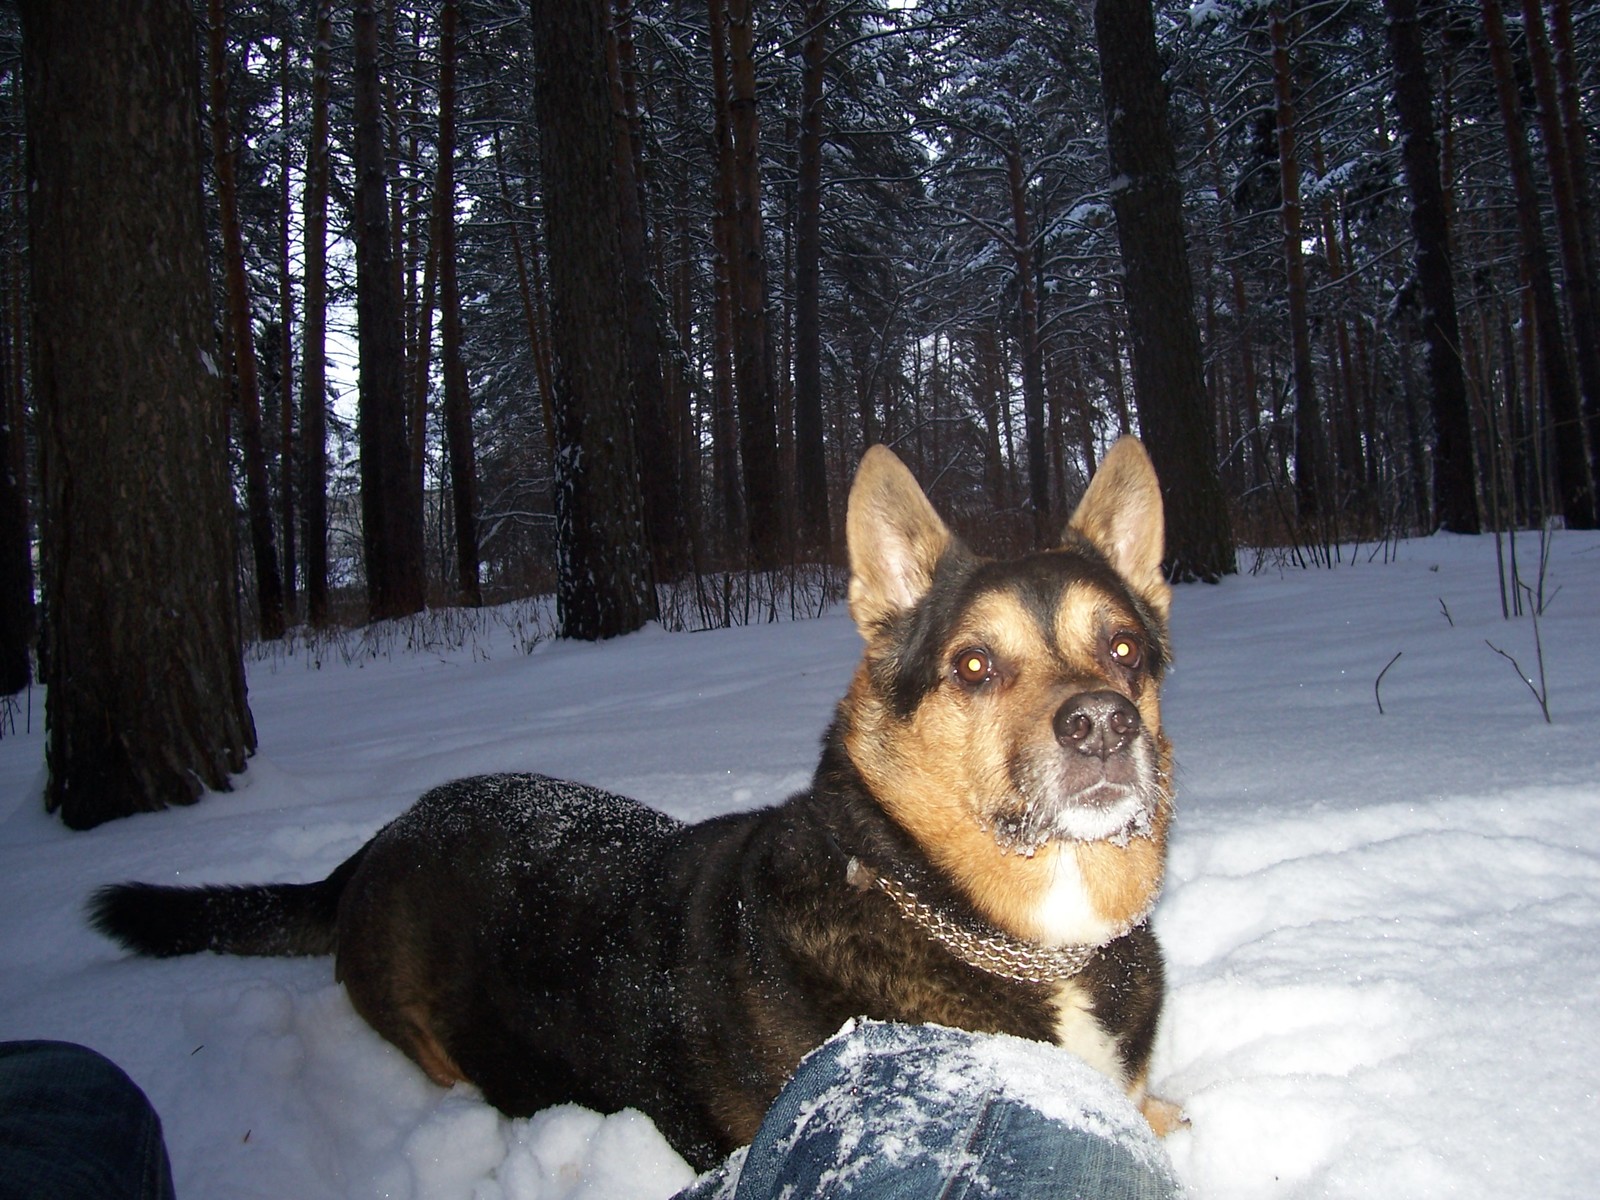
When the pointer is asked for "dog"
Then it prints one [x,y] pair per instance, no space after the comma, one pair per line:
[980,847]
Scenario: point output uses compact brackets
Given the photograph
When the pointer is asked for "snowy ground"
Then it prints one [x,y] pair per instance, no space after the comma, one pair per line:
[1383,931]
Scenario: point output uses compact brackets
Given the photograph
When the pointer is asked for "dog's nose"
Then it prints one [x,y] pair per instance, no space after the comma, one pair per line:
[1097,723]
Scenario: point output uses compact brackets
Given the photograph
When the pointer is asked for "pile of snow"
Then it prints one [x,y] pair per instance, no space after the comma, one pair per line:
[1383,931]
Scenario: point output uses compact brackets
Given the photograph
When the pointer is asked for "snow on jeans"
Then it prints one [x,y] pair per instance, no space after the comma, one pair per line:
[885,1112]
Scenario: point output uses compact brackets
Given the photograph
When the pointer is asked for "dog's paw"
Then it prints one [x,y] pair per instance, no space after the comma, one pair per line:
[1163,1115]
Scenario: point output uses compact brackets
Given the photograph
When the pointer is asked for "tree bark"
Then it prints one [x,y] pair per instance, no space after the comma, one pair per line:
[313,380]
[530,289]
[1168,367]
[391,514]
[286,483]
[1313,486]
[603,585]
[146,693]
[752,349]
[1455,500]
[457,398]
[811,464]
[1567,78]
[1577,264]
[16,561]
[239,339]
[1028,336]
[725,289]
[1574,490]
[658,465]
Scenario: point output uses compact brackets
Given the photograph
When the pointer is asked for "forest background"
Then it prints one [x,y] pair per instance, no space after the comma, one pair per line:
[454,262]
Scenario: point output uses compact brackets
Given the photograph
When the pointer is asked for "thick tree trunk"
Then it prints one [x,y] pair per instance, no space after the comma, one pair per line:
[240,341]
[1568,84]
[313,379]
[391,515]
[1455,501]
[1577,262]
[1574,490]
[16,558]
[1168,368]
[603,585]
[16,561]
[811,464]
[658,465]
[457,399]
[752,349]
[146,700]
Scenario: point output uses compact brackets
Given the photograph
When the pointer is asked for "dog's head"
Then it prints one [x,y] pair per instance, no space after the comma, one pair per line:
[1007,713]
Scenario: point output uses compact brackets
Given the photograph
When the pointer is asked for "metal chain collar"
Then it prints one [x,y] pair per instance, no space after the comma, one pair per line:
[986,949]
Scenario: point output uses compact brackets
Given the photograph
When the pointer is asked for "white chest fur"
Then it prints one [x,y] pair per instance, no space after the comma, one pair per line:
[1079,1032]
[1065,917]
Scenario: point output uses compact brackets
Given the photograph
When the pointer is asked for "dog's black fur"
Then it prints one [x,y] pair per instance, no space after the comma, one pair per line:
[551,942]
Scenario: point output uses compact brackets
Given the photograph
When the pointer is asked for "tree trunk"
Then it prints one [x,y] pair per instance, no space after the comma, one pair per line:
[1568,83]
[457,400]
[313,379]
[986,350]
[603,585]
[1168,368]
[1244,415]
[16,561]
[811,464]
[16,558]
[1577,265]
[239,338]
[1313,487]
[1032,363]
[752,351]
[724,419]
[286,500]
[530,289]
[146,691]
[391,516]
[1574,491]
[1455,502]
[658,465]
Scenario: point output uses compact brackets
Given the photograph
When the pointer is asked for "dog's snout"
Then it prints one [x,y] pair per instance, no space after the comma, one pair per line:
[1097,723]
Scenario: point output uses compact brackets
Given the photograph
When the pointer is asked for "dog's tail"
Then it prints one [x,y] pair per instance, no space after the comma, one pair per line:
[259,919]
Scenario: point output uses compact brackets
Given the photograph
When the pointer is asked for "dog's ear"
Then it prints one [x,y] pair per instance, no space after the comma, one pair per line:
[1121,514]
[895,540]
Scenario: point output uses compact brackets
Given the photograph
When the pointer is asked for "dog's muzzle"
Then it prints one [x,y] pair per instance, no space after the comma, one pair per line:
[1096,781]
[1100,724]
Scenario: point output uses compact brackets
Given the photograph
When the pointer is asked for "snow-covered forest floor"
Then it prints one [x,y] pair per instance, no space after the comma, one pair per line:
[1383,931]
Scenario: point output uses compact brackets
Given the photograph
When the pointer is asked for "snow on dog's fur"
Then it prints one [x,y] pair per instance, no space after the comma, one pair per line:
[981,843]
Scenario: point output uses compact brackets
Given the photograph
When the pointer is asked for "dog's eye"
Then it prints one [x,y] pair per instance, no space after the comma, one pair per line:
[1126,650]
[974,666]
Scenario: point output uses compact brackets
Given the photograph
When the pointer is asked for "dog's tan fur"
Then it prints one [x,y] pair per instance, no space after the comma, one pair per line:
[943,774]
[999,755]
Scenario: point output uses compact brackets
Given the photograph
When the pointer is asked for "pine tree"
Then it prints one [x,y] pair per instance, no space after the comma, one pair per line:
[1169,380]
[146,701]
[603,568]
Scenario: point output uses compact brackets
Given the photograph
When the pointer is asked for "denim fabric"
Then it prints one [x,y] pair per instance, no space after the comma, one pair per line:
[902,1112]
[73,1126]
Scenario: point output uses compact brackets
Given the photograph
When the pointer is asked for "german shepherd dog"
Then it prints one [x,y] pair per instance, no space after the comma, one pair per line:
[980,847]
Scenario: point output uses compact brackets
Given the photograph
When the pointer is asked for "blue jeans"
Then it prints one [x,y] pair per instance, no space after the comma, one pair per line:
[74,1127]
[917,1112]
